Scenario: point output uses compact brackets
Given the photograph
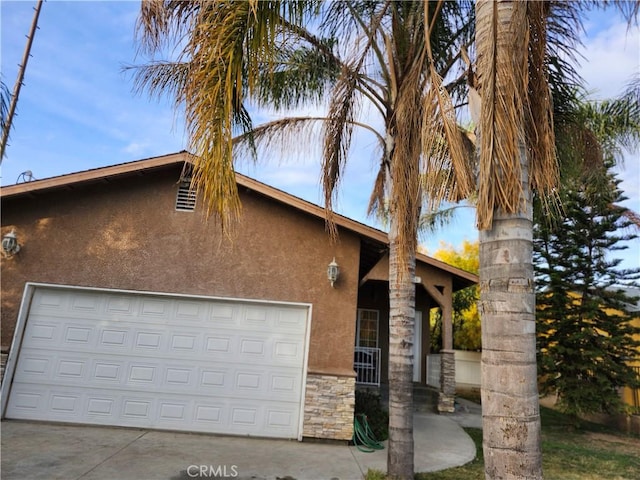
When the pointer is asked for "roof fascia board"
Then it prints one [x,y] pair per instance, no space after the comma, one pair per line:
[102,173]
[471,277]
[311,208]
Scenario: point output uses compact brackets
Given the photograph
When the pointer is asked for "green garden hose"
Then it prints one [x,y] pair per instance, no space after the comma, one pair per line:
[363,437]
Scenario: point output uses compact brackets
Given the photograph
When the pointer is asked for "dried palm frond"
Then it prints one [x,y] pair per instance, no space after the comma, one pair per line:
[444,147]
[632,217]
[377,200]
[447,163]
[162,22]
[543,165]
[338,129]
[502,80]
[406,192]
[228,47]
[226,52]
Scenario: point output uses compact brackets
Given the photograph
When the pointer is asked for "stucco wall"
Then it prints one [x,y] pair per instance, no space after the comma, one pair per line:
[126,234]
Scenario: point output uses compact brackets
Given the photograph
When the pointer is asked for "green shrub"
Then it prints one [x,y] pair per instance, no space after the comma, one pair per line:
[369,404]
[375,475]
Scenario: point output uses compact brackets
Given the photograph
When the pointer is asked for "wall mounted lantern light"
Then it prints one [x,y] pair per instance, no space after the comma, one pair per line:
[333,271]
[10,244]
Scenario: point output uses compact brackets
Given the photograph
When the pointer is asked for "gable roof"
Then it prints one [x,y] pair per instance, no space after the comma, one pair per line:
[374,242]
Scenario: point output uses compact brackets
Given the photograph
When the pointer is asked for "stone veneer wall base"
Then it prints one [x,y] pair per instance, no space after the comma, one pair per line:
[329,405]
[447,394]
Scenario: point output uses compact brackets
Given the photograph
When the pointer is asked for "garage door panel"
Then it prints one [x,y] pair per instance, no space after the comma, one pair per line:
[221,415]
[114,358]
[79,334]
[107,371]
[43,332]
[125,373]
[35,366]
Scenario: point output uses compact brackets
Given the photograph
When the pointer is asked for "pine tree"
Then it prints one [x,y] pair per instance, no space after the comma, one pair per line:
[585,337]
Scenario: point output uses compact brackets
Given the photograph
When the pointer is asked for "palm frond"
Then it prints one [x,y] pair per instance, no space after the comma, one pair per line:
[430,223]
[444,147]
[544,173]
[595,132]
[164,22]
[299,76]
[5,100]
[502,80]
[616,122]
[160,78]
[377,200]
[405,167]
[337,139]
[289,137]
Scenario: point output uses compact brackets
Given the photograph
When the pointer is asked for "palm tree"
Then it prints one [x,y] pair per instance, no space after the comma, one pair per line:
[518,48]
[513,159]
[5,98]
[385,53]
[8,101]
[392,54]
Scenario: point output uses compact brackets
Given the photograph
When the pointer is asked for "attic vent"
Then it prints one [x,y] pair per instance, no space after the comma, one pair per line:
[186,198]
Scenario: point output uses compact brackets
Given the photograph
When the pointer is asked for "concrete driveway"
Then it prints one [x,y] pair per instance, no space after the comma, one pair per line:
[33,450]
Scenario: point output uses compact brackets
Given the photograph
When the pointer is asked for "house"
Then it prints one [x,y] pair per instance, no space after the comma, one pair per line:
[126,306]
[631,396]
[629,419]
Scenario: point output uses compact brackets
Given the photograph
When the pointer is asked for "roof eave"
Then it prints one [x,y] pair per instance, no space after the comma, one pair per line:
[100,173]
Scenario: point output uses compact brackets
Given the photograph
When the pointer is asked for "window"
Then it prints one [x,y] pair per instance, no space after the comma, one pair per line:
[186,197]
[367,328]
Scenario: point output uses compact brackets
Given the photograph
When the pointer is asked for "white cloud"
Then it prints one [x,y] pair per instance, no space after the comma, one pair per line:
[612,51]
[612,57]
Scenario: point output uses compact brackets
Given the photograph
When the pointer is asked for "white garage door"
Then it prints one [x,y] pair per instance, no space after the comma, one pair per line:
[177,363]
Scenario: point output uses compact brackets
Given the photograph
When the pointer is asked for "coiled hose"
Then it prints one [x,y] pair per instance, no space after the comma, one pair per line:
[363,437]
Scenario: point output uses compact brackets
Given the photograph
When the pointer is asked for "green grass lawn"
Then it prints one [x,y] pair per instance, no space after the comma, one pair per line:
[592,453]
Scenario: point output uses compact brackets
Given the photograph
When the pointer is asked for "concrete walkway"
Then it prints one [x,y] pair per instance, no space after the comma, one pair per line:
[32,450]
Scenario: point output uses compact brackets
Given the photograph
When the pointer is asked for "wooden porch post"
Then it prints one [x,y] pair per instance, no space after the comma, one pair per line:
[446,397]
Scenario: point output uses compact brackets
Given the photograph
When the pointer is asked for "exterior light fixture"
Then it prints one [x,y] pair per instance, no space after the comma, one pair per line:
[10,244]
[333,271]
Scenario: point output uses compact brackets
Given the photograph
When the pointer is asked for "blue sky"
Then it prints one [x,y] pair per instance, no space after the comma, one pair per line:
[77,110]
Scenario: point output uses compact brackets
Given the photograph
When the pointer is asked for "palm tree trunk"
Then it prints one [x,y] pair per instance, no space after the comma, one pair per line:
[510,410]
[401,327]
[6,127]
